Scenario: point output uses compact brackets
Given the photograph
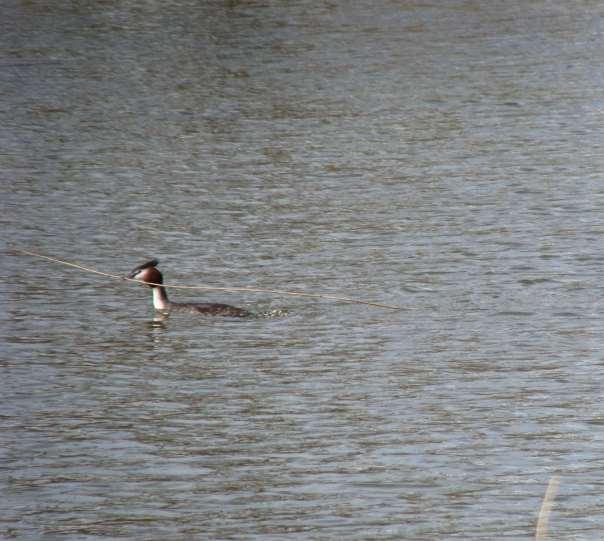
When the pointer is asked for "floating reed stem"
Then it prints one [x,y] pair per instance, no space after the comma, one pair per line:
[212,288]
[546,508]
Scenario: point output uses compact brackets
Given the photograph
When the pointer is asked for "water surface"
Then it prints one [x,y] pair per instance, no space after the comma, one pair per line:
[441,156]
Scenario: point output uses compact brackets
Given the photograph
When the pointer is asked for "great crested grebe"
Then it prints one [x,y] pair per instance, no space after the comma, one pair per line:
[147,272]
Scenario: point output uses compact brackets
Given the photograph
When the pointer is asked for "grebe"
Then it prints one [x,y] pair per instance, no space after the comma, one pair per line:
[147,272]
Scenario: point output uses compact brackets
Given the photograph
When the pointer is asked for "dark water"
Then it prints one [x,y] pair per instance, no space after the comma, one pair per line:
[443,156]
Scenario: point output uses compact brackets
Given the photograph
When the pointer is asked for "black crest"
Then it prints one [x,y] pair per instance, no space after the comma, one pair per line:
[135,271]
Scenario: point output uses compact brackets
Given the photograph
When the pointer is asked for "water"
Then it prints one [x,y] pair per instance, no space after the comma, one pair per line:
[445,157]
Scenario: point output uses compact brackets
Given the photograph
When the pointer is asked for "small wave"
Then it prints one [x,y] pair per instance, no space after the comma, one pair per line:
[272,314]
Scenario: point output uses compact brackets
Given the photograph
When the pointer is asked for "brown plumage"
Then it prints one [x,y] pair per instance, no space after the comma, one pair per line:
[147,272]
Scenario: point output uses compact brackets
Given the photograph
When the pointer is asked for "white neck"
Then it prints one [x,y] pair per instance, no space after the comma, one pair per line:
[160,299]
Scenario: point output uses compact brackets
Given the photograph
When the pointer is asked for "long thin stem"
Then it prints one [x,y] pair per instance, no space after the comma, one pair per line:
[546,508]
[212,288]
